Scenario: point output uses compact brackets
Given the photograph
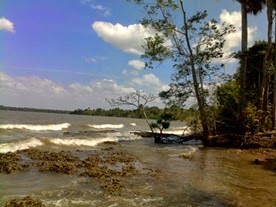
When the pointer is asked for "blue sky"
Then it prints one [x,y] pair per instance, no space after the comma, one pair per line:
[70,54]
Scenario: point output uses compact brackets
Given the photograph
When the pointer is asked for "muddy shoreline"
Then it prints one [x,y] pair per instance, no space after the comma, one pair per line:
[111,163]
[261,146]
[109,166]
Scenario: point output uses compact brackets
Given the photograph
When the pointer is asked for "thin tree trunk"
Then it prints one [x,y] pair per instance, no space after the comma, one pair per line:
[147,120]
[263,99]
[268,61]
[198,90]
[274,94]
[274,81]
[243,69]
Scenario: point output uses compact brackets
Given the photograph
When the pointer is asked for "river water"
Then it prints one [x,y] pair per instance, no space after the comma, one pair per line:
[188,175]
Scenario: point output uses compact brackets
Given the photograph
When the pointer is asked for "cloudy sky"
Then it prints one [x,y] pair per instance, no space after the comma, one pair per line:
[70,54]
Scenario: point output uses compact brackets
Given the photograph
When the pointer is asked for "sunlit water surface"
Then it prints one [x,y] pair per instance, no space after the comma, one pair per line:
[208,177]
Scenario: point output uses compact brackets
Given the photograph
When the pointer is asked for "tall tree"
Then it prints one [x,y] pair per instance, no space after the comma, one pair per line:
[253,7]
[194,43]
[256,61]
[274,71]
[268,64]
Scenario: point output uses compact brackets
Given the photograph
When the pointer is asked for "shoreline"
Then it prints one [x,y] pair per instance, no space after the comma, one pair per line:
[261,147]
[97,165]
[260,140]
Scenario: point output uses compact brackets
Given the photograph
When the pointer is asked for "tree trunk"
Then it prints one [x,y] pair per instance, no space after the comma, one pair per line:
[274,81]
[147,120]
[198,90]
[268,60]
[243,69]
[264,89]
[274,94]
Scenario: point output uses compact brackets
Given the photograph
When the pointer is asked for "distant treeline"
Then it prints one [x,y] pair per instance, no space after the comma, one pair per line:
[152,112]
[10,108]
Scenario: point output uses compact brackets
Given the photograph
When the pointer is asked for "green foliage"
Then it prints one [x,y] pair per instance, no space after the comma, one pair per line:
[259,81]
[254,122]
[163,122]
[191,43]
[155,49]
[10,108]
[153,112]
[255,62]
[252,118]
[227,118]
[227,96]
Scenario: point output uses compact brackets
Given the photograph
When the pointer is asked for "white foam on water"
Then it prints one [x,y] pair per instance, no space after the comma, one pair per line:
[114,137]
[186,153]
[132,124]
[178,130]
[34,142]
[80,142]
[105,126]
[20,145]
[32,127]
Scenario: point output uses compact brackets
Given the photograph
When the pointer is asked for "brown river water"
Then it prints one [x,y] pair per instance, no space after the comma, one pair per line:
[188,175]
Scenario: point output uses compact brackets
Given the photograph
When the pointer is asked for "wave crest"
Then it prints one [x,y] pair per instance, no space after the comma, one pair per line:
[80,142]
[91,142]
[32,127]
[20,145]
[104,126]
[186,153]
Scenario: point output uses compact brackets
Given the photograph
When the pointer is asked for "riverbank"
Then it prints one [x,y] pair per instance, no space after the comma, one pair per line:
[140,171]
[261,147]
[53,157]
[260,140]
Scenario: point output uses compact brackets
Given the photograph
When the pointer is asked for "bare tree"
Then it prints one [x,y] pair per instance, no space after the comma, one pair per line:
[139,99]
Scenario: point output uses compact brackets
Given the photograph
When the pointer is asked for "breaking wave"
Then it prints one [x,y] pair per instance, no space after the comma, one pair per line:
[20,145]
[178,130]
[105,126]
[34,142]
[51,127]
[186,153]
[90,142]
[80,142]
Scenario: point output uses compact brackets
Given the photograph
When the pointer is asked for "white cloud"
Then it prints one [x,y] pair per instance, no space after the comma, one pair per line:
[137,64]
[37,92]
[97,7]
[136,67]
[21,85]
[33,91]
[6,24]
[151,82]
[95,59]
[233,40]
[127,38]
[89,59]
[105,11]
